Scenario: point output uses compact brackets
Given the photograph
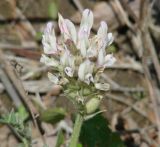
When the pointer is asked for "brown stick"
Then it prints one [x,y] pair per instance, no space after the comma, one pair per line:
[121,100]
[21,92]
[149,47]
[10,88]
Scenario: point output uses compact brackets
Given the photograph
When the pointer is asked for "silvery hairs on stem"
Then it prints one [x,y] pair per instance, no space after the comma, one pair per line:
[78,60]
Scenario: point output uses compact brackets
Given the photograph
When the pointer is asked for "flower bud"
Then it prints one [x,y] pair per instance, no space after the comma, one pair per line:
[86,91]
[92,105]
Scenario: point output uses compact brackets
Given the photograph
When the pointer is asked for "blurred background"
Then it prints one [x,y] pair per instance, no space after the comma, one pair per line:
[132,116]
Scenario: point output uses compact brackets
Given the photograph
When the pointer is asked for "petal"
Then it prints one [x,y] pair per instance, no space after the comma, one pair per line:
[88,78]
[101,57]
[84,31]
[89,66]
[49,40]
[110,39]
[109,60]
[81,71]
[64,58]
[69,71]
[102,35]
[53,78]
[102,31]
[82,45]
[67,60]
[48,28]
[67,29]
[46,47]
[71,61]
[92,50]
[102,86]
[86,23]
[85,71]
[48,61]
[62,25]
[103,38]
[72,30]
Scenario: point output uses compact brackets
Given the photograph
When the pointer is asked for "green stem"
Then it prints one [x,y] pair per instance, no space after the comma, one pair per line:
[76,130]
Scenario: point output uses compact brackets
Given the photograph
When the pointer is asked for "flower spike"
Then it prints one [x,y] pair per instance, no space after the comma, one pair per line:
[79,60]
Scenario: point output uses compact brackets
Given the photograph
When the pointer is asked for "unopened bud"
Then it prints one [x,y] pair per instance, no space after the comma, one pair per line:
[86,91]
[92,105]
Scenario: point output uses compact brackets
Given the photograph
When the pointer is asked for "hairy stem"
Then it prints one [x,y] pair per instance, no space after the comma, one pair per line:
[76,130]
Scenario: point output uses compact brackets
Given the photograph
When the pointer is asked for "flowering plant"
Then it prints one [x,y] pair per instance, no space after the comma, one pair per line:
[78,60]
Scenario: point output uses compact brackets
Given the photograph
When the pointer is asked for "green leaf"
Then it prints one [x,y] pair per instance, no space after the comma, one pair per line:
[16,121]
[39,36]
[60,139]
[52,115]
[53,9]
[96,133]
[112,49]
[2,121]
[22,113]
[79,145]
[45,145]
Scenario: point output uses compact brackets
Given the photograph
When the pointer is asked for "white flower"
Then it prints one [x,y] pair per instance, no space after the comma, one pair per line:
[92,50]
[85,72]
[102,35]
[67,29]
[102,86]
[86,24]
[105,60]
[67,60]
[84,31]
[100,41]
[49,61]
[49,40]
[78,59]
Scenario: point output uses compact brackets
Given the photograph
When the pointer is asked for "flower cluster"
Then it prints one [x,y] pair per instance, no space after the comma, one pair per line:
[78,59]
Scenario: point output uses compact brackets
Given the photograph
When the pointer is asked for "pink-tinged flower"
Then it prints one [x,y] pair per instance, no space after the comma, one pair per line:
[49,40]
[67,29]
[85,72]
